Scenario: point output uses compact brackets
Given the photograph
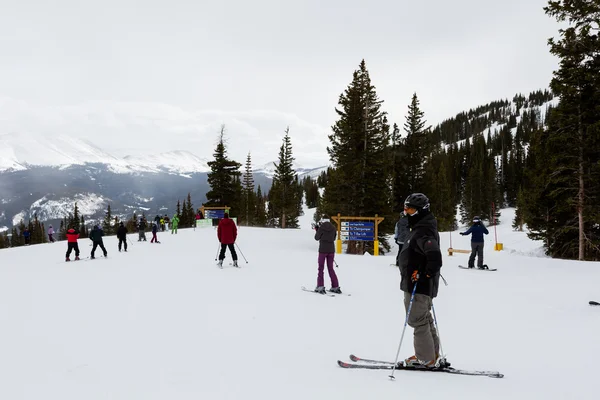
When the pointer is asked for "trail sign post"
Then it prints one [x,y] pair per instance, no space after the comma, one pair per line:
[357,228]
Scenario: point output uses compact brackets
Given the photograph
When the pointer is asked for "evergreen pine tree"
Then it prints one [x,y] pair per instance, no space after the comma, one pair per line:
[83,232]
[417,146]
[359,183]
[283,198]
[223,186]
[260,213]
[62,232]
[106,224]
[573,134]
[248,195]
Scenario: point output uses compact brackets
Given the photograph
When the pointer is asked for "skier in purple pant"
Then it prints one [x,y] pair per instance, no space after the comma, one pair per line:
[326,235]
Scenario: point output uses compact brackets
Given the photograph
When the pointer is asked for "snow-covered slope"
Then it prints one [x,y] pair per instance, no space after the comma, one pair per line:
[163,322]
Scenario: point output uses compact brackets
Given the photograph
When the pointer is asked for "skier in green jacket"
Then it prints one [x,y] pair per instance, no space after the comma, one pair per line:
[174,223]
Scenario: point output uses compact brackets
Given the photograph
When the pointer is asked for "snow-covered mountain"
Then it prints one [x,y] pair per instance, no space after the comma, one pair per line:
[268,170]
[17,151]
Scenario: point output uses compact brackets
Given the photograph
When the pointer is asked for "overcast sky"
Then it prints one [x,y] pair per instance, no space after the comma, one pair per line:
[144,75]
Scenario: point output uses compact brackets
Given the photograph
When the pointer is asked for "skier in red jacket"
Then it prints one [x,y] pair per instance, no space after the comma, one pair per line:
[72,236]
[227,233]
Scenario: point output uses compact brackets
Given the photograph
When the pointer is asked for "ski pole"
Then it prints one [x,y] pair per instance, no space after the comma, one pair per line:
[438,332]
[412,297]
[218,248]
[238,246]
[336,264]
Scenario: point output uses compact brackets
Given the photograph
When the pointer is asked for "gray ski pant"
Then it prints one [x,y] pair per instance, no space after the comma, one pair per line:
[426,341]
[476,250]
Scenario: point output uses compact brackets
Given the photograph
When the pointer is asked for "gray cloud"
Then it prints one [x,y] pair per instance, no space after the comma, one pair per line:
[176,70]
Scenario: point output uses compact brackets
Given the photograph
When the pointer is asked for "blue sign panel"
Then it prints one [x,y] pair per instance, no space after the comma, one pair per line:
[358,223]
[214,214]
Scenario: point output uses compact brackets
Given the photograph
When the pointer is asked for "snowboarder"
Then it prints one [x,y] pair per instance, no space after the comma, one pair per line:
[122,235]
[96,237]
[326,235]
[51,234]
[174,223]
[154,230]
[27,236]
[227,234]
[142,230]
[476,231]
[72,236]
[420,261]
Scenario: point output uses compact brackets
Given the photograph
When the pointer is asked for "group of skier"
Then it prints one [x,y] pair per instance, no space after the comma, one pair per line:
[226,233]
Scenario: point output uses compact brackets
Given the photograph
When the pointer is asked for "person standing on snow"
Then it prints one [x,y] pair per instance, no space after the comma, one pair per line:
[154,230]
[227,234]
[141,230]
[174,223]
[72,236]
[27,236]
[51,234]
[122,235]
[477,230]
[326,235]
[96,237]
[420,261]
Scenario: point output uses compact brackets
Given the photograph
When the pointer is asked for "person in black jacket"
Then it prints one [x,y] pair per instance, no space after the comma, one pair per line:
[122,235]
[420,261]
[476,231]
[326,235]
[142,230]
[96,237]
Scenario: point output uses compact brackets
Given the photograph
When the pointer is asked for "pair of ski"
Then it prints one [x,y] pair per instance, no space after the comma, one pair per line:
[594,303]
[329,294]
[479,269]
[365,363]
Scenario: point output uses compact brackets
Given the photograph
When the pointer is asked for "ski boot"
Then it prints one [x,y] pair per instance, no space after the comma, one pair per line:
[235,264]
[320,289]
[77,258]
[220,263]
[484,266]
[68,259]
[414,362]
[92,257]
[336,290]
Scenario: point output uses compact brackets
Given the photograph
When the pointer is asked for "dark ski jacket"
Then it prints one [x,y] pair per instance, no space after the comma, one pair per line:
[401,231]
[421,251]
[122,232]
[154,228]
[476,231]
[96,235]
[326,235]
[226,231]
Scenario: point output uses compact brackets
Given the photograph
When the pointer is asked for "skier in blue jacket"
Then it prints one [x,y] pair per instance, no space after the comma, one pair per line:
[477,230]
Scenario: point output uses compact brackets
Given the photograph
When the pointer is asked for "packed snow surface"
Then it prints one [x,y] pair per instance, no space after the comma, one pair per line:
[163,322]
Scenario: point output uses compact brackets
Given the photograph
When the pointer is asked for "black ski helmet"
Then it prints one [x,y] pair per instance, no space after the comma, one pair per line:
[418,201]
